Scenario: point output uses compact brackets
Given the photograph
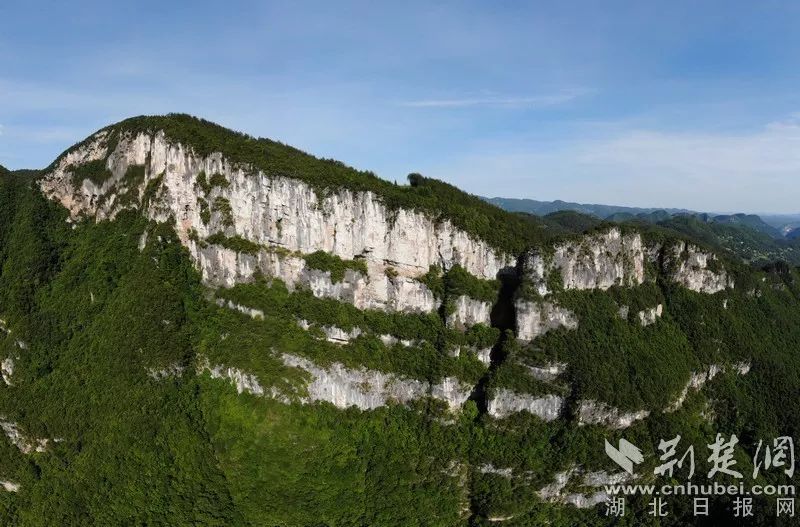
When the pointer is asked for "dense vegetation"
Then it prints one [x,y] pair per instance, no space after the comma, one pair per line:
[94,171]
[99,328]
[456,282]
[336,266]
[738,239]
[747,236]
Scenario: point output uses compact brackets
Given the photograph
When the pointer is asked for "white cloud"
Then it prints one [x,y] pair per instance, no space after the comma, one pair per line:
[754,171]
[504,102]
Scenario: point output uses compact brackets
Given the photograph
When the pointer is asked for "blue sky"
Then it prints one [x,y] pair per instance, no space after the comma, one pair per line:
[673,104]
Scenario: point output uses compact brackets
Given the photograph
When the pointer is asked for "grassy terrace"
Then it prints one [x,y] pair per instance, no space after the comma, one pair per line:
[427,359]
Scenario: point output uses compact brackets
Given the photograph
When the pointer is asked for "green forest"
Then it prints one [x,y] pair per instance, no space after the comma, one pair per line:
[91,318]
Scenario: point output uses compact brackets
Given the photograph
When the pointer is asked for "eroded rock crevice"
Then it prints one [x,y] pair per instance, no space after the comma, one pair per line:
[504,318]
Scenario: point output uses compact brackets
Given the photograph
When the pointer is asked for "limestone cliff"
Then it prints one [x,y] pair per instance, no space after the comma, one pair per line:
[596,261]
[696,269]
[283,218]
[238,222]
[537,318]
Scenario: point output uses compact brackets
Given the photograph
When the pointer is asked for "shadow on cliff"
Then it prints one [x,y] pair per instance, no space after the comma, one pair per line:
[504,318]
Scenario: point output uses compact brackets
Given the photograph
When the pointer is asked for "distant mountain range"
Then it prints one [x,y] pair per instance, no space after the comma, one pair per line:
[756,239]
[543,208]
[775,225]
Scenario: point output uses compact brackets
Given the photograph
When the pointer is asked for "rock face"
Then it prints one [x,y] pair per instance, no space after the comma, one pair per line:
[171,370]
[554,492]
[25,444]
[468,312]
[488,468]
[9,486]
[7,370]
[332,333]
[255,314]
[505,402]
[484,355]
[275,213]
[537,318]
[243,381]
[226,267]
[597,261]
[699,379]
[391,340]
[696,270]
[547,372]
[268,225]
[649,316]
[599,413]
[368,389]
[345,387]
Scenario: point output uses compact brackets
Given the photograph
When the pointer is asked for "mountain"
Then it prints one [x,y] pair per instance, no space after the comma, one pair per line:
[747,236]
[746,243]
[782,222]
[199,327]
[748,220]
[542,208]
[25,172]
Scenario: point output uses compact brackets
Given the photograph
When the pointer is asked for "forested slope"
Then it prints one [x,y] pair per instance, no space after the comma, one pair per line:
[145,389]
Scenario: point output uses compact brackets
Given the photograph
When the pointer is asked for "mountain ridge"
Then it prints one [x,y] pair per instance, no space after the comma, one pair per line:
[602,211]
[746,235]
[322,341]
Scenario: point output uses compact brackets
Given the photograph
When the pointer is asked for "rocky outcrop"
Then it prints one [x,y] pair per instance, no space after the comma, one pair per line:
[167,372]
[244,382]
[498,519]
[226,267]
[698,379]
[695,269]
[391,340]
[7,370]
[601,478]
[273,212]
[467,312]
[25,444]
[332,333]
[488,468]
[599,413]
[547,372]
[537,318]
[585,501]
[506,402]
[9,486]
[369,389]
[255,314]
[554,492]
[596,261]
[484,355]
[651,315]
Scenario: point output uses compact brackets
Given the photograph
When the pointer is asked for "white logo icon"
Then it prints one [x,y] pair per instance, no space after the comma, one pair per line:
[626,455]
